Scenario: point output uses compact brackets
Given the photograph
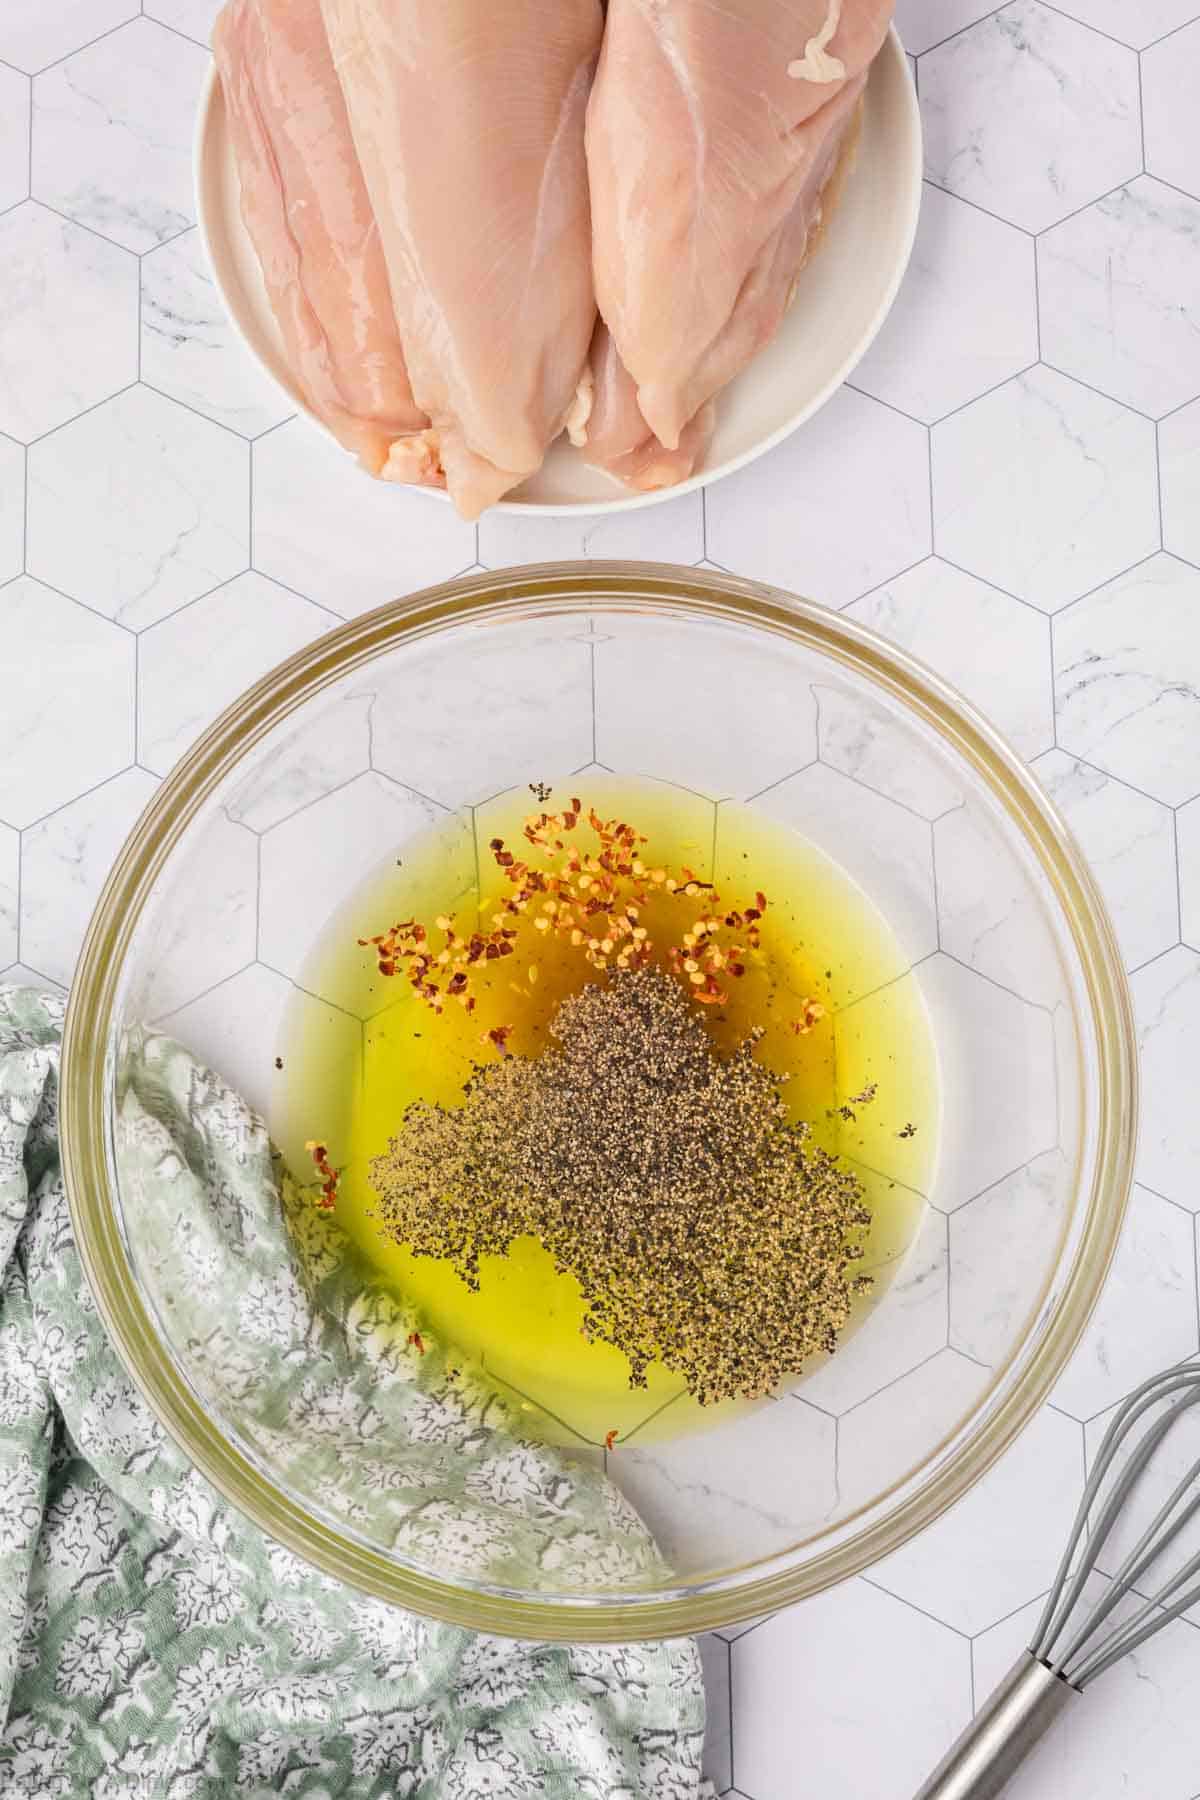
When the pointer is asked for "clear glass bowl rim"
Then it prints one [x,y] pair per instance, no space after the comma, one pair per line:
[483,597]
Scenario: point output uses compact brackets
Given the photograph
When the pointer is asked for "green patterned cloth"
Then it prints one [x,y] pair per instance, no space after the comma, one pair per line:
[155,1646]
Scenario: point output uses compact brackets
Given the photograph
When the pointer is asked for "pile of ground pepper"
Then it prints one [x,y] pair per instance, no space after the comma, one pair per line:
[706,1231]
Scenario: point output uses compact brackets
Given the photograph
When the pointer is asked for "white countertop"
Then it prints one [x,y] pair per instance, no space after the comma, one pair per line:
[1010,487]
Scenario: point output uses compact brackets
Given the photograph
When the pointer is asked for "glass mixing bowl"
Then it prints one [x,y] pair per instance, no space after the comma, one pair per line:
[717,690]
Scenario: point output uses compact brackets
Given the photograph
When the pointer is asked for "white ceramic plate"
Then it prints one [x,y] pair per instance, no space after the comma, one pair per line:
[841,301]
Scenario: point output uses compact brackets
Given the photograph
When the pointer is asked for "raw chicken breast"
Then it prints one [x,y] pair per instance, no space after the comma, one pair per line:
[713,130]
[468,117]
[308,216]
[616,437]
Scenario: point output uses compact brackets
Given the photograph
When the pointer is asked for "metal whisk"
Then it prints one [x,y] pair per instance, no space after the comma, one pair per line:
[1072,1645]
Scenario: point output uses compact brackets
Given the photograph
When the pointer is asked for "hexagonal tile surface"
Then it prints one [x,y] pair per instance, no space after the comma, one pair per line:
[923,23]
[1030,115]
[194,18]
[1170,72]
[1110,280]
[796,1665]
[996,651]
[190,349]
[888,853]
[331,747]
[59,662]
[1075,469]
[1001,1245]
[12,509]
[714,1659]
[10,857]
[1000,1545]
[205,931]
[1166,995]
[133,184]
[1130,847]
[894,1431]
[793,518]
[138,507]
[906,1325]
[670,532]
[32,36]
[990,916]
[1179,464]
[65,859]
[1146,1316]
[68,321]
[1127,673]
[965,318]
[725,739]
[302,886]
[1118,1746]
[193,664]
[326,529]
[236,1028]
[1135,25]
[14,137]
[996,1054]
[1187,828]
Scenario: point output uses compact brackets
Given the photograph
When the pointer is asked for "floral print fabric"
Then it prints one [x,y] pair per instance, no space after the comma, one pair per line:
[155,1646]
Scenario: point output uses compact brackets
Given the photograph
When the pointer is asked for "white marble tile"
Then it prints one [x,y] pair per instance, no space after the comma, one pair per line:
[998,1547]
[737,1492]
[20,975]
[991,916]
[192,665]
[965,317]
[138,507]
[667,707]
[59,663]
[293,769]
[1146,1316]
[65,860]
[923,23]
[14,137]
[795,518]
[996,1056]
[1136,25]
[989,646]
[68,320]
[514,710]
[870,743]
[12,508]
[1166,995]
[1030,115]
[190,349]
[10,857]
[1044,488]
[1187,830]
[1170,74]
[895,1431]
[871,1692]
[238,1029]
[328,530]
[1179,465]
[906,1326]
[195,18]
[206,929]
[302,886]
[1135,1737]
[112,134]
[36,32]
[714,1660]
[670,532]
[1002,1245]
[1176,1454]
[888,853]
[1127,671]
[1111,281]
[1130,847]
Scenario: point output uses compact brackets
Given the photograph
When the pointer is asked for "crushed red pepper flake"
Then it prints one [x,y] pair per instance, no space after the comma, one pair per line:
[416,1342]
[610,1438]
[329,1175]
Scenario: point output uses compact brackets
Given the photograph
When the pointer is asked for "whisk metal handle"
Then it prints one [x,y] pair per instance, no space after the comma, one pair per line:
[1001,1734]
